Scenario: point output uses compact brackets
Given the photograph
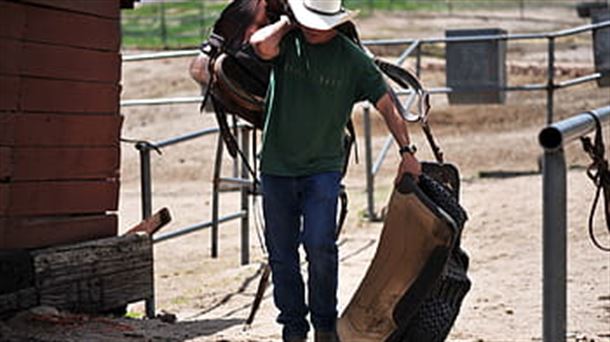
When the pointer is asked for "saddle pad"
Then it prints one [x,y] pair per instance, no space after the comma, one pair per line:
[413,250]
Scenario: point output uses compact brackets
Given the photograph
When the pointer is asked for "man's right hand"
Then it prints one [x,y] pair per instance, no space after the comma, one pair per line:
[408,164]
[266,41]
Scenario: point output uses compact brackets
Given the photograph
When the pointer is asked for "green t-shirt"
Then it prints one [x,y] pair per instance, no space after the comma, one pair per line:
[312,90]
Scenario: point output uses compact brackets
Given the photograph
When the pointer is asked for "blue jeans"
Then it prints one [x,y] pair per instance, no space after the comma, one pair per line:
[303,210]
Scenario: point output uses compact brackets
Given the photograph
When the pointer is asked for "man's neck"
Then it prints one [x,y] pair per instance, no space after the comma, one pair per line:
[318,37]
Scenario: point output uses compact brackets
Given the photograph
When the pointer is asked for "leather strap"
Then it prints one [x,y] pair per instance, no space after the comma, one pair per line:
[599,174]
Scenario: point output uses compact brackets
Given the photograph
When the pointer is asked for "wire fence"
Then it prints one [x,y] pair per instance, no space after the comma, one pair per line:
[169,24]
[172,24]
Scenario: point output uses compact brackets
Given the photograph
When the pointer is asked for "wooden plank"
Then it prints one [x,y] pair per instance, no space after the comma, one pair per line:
[29,130]
[95,275]
[58,197]
[70,63]
[37,232]
[69,163]
[152,224]
[12,17]
[60,62]
[102,8]
[98,250]
[72,29]
[5,165]
[98,294]
[41,95]
[10,55]
[55,27]
[92,265]
[9,88]
[18,300]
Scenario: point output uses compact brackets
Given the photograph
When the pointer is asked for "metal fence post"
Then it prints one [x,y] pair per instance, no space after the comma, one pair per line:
[215,195]
[550,90]
[245,220]
[146,195]
[202,17]
[522,9]
[418,59]
[553,138]
[236,132]
[145,180]
[554,246]
[163,25]
[370,177]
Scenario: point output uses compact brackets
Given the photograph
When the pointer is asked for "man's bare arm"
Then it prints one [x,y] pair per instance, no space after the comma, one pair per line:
[266,41]
[398,126]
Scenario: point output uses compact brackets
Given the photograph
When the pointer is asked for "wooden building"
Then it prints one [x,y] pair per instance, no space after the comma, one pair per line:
[60,70]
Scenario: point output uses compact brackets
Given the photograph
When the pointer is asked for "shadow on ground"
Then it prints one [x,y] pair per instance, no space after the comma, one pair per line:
[26,327]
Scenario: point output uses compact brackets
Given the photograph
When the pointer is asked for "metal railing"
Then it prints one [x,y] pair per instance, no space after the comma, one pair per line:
[243,184]
[415,46]
[144,148]
[553,139]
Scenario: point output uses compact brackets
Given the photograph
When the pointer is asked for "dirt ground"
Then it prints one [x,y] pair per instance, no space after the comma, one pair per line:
[212,297]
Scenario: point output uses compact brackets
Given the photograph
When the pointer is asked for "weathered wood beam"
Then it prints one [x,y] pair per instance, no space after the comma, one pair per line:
[95,276]
[18,300]
[152,224]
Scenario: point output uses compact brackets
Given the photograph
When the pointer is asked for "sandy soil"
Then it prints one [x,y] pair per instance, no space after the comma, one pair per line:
[212,297]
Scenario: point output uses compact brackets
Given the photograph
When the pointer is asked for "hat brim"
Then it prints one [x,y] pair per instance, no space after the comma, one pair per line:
[318,21]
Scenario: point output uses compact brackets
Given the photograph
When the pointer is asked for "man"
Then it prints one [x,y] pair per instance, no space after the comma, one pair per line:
[318,74]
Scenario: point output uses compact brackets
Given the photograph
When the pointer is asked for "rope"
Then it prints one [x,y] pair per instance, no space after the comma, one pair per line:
[599,174]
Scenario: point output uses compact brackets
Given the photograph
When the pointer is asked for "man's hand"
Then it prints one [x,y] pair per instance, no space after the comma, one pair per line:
[266,41]
[409,164]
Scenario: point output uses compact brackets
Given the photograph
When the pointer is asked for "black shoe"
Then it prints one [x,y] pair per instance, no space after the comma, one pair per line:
[296,339]
[326,336]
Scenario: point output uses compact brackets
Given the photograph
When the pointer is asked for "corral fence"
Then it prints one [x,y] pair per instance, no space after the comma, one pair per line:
[460,92]
[484,82]
[170,24]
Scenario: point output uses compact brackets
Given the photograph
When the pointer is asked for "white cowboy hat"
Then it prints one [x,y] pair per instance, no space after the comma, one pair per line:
[319,14]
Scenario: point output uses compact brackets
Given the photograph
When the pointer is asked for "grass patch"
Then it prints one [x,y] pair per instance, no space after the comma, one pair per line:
[134,315]
[184,24]
[169,25]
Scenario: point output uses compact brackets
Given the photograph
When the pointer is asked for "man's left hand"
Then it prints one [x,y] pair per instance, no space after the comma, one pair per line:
[409,164]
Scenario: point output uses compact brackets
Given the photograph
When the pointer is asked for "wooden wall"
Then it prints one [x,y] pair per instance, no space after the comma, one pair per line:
[59,121]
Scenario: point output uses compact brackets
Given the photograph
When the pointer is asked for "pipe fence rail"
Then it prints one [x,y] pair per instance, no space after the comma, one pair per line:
[553,139]
[243,184]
